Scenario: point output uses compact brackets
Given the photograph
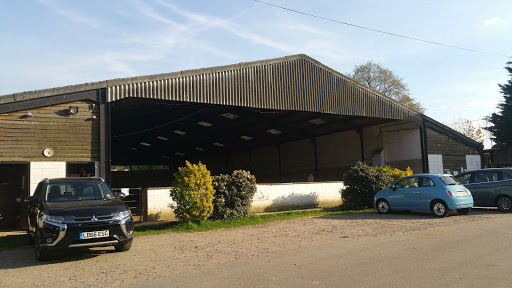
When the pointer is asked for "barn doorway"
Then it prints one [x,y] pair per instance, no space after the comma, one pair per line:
[13,189]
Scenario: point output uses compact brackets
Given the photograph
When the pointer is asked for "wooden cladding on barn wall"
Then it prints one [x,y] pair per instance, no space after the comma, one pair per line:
[72,137]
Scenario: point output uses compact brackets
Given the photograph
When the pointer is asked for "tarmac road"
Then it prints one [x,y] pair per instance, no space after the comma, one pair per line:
[343,250]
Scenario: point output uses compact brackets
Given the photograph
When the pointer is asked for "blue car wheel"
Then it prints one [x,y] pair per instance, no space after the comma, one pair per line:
[383,206]
[439,208]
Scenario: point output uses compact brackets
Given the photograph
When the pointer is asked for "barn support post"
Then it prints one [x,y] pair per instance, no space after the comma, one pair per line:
[105,140]
[361,141]
[424,150]
[316,157]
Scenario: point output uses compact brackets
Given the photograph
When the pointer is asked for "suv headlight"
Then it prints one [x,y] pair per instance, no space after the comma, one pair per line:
[57,219]
[123,214]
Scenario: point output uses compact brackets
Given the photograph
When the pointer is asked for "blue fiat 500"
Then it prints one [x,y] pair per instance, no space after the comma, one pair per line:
[425,192]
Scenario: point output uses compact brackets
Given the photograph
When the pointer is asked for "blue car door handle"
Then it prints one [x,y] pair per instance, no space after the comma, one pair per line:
[416,192]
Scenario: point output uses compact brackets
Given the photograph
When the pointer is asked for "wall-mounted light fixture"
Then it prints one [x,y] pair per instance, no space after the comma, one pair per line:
[29,114]
[73,110]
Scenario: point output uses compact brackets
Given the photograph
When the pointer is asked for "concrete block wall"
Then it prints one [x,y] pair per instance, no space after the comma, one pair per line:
[269,197]
[158,204]
[289,196]
[47,169]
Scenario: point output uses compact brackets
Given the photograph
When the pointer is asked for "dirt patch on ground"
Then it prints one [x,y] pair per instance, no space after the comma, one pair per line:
[155,256]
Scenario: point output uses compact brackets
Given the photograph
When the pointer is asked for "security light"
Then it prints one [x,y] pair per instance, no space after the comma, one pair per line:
[317,121]
[274,131]
[229,115]
[73,110]
[205,124]
[179,132]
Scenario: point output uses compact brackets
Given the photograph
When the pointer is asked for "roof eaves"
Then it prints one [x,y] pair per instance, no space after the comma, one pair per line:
[29,95]
[451,132]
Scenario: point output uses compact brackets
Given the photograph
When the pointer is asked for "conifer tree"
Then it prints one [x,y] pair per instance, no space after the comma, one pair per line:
[501,121]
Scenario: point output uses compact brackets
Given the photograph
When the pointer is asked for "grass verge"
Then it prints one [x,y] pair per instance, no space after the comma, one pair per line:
[13,241]
[206,225]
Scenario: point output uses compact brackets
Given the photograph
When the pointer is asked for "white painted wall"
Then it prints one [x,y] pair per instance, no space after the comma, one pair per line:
[158,202]
[47,169]
[269,197]
[399,142]
[285,196]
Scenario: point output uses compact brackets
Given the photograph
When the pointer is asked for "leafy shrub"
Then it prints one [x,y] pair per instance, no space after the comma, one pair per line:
[395,172]
[192,192]
[362,182]
[233,195]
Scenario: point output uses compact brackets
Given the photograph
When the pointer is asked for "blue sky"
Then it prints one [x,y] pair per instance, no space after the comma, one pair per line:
[50,43]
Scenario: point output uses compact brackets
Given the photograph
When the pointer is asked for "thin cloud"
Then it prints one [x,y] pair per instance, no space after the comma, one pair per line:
[492,21]
[164,41]
[443,107]
[150,12]
[491,102]
[72,15]
[228,26]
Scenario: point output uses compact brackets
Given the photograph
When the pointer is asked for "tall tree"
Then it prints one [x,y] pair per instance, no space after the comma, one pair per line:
[386,82]
[465,127]
[501,121]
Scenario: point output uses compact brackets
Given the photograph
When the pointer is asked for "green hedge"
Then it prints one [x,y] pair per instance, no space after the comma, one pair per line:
[362,182]
[233,195]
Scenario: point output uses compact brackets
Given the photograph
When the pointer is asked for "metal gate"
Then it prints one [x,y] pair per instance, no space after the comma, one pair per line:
[134,202]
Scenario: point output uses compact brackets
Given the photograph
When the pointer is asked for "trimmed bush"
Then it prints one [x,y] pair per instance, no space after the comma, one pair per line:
[233,195]
[362,182]
[192,192]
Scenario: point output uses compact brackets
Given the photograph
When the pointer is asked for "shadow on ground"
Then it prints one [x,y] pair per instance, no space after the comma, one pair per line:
[402,215]
[23,256]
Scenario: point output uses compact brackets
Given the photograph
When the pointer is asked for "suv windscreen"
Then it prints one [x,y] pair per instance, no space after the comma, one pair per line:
[77,190]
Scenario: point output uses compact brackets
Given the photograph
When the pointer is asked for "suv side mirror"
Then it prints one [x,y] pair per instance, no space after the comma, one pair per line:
[120,195]
[393,187]
[31,200]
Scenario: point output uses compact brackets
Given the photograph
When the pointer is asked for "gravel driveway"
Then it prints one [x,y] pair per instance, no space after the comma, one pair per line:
[155,256]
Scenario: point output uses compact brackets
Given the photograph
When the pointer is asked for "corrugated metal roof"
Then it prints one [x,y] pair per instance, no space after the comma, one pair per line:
[297,83]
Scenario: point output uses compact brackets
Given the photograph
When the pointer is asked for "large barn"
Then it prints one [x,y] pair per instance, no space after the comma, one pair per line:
[279,118]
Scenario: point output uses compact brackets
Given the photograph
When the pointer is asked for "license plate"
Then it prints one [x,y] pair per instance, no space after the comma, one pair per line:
[94,234]
[463,193]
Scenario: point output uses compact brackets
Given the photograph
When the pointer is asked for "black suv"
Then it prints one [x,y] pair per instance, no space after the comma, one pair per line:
[77,212]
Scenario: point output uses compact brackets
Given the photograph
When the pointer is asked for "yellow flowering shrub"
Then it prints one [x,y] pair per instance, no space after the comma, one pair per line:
[192,192]
[397,173]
